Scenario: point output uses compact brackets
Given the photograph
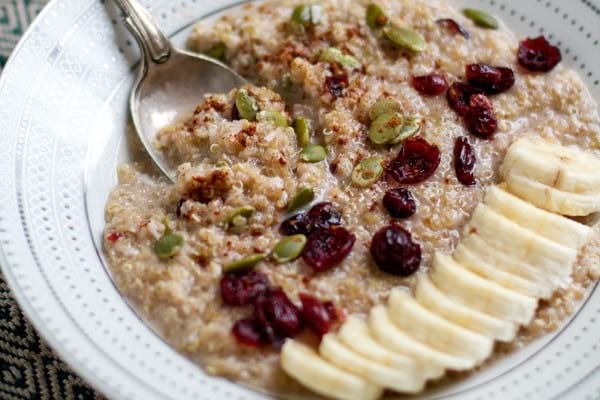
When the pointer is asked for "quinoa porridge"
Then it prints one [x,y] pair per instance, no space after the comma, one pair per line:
[242,162]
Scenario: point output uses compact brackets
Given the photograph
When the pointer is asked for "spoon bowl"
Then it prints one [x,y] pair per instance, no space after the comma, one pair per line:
[170,82]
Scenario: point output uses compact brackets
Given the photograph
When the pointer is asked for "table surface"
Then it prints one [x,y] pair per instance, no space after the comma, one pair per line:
[28,367]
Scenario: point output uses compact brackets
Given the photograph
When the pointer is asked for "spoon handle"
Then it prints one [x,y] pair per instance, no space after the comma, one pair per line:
[144,27]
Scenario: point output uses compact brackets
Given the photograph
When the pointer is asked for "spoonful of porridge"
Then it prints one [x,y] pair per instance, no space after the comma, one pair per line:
[170,80]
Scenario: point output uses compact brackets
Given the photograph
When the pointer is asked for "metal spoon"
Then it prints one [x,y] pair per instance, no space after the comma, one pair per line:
[171,81]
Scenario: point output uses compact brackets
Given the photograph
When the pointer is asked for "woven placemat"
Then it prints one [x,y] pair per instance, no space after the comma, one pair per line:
[28,367]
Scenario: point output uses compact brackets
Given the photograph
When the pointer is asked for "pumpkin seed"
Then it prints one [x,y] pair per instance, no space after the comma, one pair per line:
[411,127]
[386,128]
[217,51]
[290,92]
[367,172]
[289,249]
[302,198]
[335,55]
[405,38]
[385,106]
[239,217]
[376,17]
[313,154]
[286,83]
[247,105]
[168,245]
[245,264]
[306,15]
[302,131]
[301,15]
[273,117]
[481,18]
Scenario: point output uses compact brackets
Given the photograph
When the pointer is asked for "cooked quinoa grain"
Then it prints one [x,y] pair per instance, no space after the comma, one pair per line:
[227,164]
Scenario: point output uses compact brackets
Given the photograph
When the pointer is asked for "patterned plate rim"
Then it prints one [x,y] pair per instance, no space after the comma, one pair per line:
[22,298]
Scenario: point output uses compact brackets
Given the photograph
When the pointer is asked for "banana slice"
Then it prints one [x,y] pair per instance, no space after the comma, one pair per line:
[479,293]
[435,300]
[553,200]
[554,227]
[508,237]
[431,361]
[355,334]
[400,380]
[507,263]
[467,259]
[556,166]
[435,331]
[307,367]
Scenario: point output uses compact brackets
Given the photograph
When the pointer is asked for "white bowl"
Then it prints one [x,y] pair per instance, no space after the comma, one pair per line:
[63,111]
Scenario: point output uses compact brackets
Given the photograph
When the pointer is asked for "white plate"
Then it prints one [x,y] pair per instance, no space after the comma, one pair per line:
[62,114]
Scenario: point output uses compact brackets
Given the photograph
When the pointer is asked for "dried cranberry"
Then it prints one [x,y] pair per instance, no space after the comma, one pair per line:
[464,161]
[332,310]
[235,113]
[327,247]
[247,332]
[395,252]
[322,215]
[459,95]
[400,203]
[315,314]
[417,161]
[454,27]
[114,237]
[277,317]
[492,80]
[430,85]
[295,225]
[243,289]
[538,55]
[481,119]
[336,85]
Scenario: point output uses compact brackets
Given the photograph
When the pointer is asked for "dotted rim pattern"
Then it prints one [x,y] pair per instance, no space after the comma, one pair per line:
[48,256]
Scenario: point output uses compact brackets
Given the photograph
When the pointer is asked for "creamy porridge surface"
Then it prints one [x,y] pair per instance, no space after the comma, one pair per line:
[227,164]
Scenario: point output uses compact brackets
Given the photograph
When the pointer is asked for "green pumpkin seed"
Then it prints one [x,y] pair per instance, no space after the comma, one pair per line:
[306,15]
[335,55]
[217,51]
[273,117]
[289,249]
[245,264]
[301,15]
[385,106]
[168,245]
[239,218]
[481,18]
[290,92]
[246,105]
[313,154]
[376,17]
[411,127]
[386,128]
[405,38]
[304,197]
[302,131]
[368,172]
[286,84]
